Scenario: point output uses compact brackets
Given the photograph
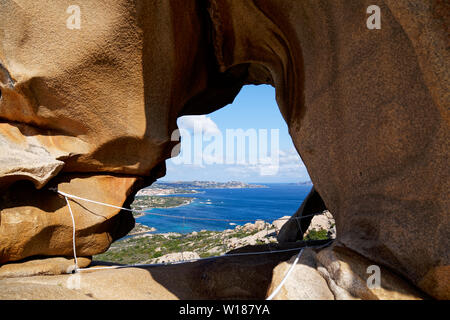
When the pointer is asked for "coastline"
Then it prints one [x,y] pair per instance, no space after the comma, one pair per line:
[168,193]
[187,201]
[180,198]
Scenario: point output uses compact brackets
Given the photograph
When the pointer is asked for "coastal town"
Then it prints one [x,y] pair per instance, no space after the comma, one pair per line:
[188,187]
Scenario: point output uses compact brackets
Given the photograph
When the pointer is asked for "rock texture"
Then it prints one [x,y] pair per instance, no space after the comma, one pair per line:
[246,277]
[174,257]
[323,221]
[295,228]
[279,223]
[92,111]
[331,273]
[347,275]
[38,222]
[94,107]
[367,112]
[44,266]
[304,282]
[337,273]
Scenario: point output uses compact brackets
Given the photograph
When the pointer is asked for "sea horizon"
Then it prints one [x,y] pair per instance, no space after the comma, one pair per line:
[226,181]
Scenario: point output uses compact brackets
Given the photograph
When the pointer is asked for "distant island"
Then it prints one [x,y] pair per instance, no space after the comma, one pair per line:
[189,187]
[146,202]
[303,183]
[210,184]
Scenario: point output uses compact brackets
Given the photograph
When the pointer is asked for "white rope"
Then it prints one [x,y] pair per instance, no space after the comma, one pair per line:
[73,236]
[278,288]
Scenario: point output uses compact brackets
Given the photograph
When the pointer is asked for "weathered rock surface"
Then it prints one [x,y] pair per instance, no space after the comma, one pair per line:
[44,266]
[97,103]
[174,257]
[258,225]
[296,227]
[367,112]
[437,282]
[27,290]
[304,282]
[260,237]
[332,273]
[25,160]
[337,273]
[347,275]
[38,223]
[366,109]
[323,221]
[246,277]
[279,223]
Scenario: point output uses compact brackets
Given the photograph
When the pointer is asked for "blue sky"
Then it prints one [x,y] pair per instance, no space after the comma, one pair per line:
[255,111]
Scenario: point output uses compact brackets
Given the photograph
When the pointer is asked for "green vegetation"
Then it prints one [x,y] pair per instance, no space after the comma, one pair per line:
[321,234]
[146,248]
[149,202]
[142,249]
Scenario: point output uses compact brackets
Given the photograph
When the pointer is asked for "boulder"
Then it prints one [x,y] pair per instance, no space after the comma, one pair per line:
[38,222]
[437,282]
[90,111]
[257,226]
[304,282]
[366,110]
[317,222]
[278,224]
[295,228]
[175,257]
[265,236]
[18,290]
[323,221]
[350,276]
[244,277]
[339,273]
[248,227]
[44,266]
[260,225]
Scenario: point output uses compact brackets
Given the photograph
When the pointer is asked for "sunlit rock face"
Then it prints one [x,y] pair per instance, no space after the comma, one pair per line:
[366,109]
[91,110]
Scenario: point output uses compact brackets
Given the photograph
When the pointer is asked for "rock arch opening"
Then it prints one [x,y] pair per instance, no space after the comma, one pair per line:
[248,198]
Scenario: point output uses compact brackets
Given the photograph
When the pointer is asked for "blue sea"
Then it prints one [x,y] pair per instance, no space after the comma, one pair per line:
[235,204]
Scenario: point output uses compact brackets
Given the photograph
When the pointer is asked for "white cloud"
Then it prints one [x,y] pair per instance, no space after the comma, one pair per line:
[201,124]
[289,163]
[290,157]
